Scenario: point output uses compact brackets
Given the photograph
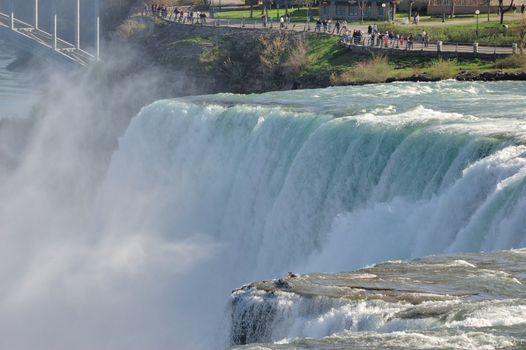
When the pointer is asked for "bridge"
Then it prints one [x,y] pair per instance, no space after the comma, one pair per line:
[30,37]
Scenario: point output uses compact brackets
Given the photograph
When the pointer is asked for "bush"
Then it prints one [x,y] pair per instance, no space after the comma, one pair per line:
[375,70]
[442,69]
[132,28]
[513,61]
[298,58]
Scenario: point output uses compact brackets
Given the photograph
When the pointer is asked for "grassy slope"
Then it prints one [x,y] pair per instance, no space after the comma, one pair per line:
[327,56]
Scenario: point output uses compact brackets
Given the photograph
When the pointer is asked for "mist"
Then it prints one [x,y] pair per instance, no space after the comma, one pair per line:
[76,270]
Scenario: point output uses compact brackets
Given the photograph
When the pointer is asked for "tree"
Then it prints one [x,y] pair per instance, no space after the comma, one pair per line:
[503,10]
[362,4]
[452,11]
[394,3]
[252,8]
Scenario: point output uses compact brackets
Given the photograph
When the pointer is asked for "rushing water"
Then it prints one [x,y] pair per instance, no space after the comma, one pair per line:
[140,248]
[469,301]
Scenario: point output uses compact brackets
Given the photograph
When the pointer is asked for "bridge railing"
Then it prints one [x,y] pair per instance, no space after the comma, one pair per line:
[33,32]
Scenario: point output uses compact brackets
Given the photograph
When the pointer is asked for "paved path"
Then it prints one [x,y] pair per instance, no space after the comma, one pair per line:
[461,48]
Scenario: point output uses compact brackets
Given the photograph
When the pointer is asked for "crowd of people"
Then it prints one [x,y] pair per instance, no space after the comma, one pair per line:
[373,36]
[180,15]
[386,39]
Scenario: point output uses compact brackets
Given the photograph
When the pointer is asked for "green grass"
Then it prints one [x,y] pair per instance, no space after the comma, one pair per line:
[326,53]
[194,40]
[327,56]
[490,33]
[295,14]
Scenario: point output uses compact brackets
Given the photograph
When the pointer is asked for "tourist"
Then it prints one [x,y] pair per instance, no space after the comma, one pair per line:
[337,26]
[318,26]
[410,42]
[425,39]
[416,19]
[282,22]
[522,8]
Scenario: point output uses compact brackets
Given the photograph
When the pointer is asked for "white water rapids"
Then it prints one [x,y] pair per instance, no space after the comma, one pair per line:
[204,194]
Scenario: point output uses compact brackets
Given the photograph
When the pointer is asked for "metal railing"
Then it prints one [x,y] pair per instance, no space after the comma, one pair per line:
[365,40]
[51,41]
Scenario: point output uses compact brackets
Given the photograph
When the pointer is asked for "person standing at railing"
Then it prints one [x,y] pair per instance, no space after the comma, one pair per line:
[410,40]
[425,38]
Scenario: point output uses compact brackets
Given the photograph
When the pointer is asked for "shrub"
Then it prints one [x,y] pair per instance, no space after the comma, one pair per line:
[298,58]
[442,69]
[513,61]
[374,70]
[131,28]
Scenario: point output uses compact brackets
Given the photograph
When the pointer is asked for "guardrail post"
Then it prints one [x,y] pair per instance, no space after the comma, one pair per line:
[475,48]
[514,48]
[243,23]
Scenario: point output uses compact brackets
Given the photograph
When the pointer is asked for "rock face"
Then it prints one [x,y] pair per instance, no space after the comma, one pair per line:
[215,59]
[492,76]
[478,297]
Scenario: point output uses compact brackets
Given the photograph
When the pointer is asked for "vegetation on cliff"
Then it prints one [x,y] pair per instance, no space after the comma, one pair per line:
[235,60]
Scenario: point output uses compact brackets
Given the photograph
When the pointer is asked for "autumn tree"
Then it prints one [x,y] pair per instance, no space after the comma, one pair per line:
[503,10]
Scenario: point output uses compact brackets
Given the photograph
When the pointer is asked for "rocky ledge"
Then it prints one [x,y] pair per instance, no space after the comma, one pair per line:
[468,300]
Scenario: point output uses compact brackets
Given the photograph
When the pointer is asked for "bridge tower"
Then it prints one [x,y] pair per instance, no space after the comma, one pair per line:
[97,30]
[35,14]
[77,24]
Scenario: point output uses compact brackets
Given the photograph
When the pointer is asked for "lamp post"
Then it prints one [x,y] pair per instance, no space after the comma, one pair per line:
[383,10]
[477,13]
